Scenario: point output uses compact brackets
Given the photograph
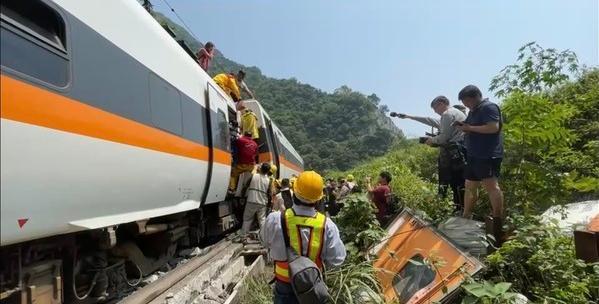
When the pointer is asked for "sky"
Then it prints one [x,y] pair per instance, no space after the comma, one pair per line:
[406,52]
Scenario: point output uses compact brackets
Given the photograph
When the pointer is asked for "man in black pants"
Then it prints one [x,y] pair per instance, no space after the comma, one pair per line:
[450,143]
[484,145]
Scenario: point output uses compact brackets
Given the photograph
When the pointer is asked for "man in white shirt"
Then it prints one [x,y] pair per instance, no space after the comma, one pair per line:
[449,140]
[306,228]
[258,194]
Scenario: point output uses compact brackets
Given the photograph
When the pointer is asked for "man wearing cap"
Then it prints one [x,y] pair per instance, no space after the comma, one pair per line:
[311,234]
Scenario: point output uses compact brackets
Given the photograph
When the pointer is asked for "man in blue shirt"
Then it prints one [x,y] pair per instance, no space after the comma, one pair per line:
[484,144]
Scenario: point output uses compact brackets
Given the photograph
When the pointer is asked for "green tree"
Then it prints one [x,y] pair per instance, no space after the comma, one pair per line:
[535,70]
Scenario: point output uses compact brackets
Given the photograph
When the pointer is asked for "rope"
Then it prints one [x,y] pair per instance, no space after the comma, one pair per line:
[182,21]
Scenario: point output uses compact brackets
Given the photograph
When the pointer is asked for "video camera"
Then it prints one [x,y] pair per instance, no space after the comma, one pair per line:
[399,115]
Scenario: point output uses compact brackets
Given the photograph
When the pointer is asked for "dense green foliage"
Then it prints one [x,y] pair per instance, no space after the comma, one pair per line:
[551,136]
[551,141]
[330,131]
[539,261]
[414,172]
[361,230]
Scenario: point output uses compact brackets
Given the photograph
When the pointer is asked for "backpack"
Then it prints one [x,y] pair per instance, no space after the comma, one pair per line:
[305,277]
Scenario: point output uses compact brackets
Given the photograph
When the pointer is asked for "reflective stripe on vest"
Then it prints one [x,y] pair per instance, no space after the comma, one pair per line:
[316,225]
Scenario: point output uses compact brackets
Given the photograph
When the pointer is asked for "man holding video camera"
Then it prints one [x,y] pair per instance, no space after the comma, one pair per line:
[451,149]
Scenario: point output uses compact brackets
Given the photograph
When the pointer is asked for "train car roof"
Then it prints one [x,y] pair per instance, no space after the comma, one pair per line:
[255,106]
[170,61]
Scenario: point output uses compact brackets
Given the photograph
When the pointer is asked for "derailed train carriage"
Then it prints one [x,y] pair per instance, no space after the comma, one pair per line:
[115,149]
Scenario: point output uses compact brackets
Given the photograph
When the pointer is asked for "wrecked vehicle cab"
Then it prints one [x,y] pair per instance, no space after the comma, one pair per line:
[416,263]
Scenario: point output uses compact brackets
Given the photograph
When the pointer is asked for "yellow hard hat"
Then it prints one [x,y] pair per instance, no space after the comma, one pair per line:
[273,169]
[308,187]
[350,178]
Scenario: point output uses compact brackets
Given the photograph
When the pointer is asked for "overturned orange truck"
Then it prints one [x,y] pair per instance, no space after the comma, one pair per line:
[418,264]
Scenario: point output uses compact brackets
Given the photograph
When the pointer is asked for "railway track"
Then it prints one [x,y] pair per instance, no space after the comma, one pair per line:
[214,277]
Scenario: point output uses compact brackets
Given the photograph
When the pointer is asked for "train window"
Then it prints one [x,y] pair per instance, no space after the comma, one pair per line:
[33,41]
[220,131]
[414,276]
[165,105]
[194,121]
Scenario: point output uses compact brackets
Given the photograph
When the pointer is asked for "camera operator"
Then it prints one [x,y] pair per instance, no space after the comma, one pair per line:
[451,149]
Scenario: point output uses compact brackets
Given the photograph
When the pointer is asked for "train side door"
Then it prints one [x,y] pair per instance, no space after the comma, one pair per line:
[272,144]
[220,147]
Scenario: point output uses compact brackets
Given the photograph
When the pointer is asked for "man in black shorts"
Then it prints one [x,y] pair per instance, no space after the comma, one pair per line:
[484,145]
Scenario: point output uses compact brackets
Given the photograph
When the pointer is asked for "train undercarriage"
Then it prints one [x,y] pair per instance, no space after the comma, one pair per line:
[106,264]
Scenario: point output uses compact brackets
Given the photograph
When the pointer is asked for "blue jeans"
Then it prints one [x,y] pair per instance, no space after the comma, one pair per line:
[284,293]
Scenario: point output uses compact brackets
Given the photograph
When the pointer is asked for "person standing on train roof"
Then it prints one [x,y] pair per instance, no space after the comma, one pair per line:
[311,234]
[258,196]
[205,55]
[230,83]
[247,151]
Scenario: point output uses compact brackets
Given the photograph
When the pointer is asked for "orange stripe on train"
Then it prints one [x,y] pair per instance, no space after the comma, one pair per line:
[267,157]
[33,105]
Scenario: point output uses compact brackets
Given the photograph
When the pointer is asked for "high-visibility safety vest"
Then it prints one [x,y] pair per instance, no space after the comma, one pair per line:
[293,224]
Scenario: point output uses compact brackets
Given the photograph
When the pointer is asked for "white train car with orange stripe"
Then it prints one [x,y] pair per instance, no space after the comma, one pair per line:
[115,148]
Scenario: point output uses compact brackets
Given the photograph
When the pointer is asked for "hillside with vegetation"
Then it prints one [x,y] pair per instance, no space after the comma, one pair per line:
[331,131]
[551,129]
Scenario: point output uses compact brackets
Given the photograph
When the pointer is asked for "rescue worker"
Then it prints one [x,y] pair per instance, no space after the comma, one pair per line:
[249,121]
[230,83]
[274,184]
[292,180]
[258,196]
[311,234]
[245,156]
[284,199]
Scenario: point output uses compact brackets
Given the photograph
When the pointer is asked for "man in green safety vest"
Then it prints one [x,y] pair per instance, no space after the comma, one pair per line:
[311,234]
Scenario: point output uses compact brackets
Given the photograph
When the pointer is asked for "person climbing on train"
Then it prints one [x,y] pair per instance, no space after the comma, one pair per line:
[231,82]
[249,121]
[284,199]
[304,231]
[246,153]
[205,55]
[258,196]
